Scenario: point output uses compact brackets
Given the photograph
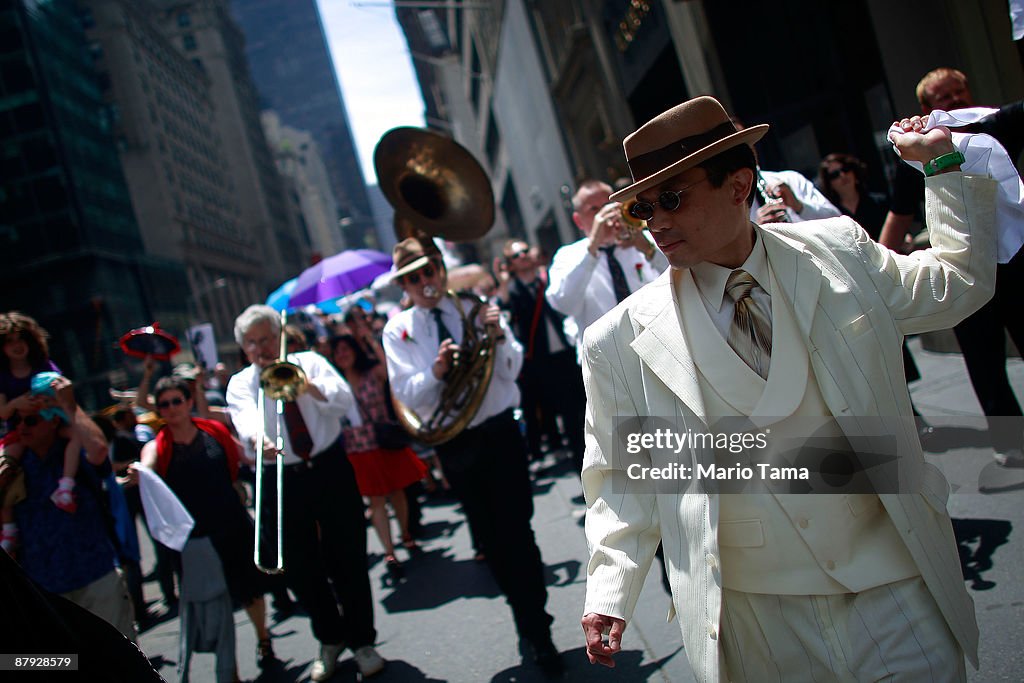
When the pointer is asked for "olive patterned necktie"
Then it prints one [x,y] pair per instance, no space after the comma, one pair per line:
[750,334]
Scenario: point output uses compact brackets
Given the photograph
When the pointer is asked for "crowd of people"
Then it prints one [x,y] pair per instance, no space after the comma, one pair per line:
[696,343]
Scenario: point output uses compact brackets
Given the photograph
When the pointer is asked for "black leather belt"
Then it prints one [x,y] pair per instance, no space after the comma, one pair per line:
[336,449]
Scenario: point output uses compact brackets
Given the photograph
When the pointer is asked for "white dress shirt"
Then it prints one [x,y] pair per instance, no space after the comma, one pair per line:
[815,204]
[323,418]
[711,280]
[580,284]
[410,345]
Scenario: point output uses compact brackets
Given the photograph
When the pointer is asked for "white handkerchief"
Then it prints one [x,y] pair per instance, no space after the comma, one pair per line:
[985,156]
[168,520]
[1017,18]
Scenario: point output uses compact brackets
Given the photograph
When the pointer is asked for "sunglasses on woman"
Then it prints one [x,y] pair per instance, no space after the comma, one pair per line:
[176,401]
[426,272]
[668,200]
[28,420]
[832,175]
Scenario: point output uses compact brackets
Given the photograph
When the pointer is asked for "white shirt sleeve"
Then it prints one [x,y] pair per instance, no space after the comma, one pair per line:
[329,381]
[568,278]
[409,364]
[508,355]
[815,204]
[241,399]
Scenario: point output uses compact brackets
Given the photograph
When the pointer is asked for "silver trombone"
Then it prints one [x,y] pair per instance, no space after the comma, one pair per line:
[281,381]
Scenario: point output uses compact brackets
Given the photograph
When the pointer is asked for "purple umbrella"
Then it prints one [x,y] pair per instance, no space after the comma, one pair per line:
[339,275]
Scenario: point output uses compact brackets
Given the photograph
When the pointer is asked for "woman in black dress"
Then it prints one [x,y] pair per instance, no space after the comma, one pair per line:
[198,459]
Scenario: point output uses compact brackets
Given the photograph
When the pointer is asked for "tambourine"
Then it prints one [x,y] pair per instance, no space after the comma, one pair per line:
[150,341]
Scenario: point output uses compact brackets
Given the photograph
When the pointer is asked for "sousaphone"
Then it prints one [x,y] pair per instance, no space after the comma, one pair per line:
[438,189]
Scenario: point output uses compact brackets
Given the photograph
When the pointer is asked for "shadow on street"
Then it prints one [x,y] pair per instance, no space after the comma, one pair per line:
[628,667]
[433,579]
[977,540]
[953,438]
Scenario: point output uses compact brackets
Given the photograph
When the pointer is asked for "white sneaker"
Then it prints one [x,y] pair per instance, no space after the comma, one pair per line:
[1013,457]
[368,661]
[327,662]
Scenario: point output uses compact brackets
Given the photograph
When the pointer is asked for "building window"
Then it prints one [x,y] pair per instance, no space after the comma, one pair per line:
[189,41]
[474,76]
[432,30]
[510,207]
[492,141]
[184,19]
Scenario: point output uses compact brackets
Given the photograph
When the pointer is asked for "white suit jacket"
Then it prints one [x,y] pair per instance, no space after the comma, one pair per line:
[854,301]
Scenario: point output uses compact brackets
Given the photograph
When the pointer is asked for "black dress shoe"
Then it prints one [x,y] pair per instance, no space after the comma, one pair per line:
[265,656]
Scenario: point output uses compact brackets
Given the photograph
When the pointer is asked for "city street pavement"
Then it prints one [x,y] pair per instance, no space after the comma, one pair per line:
[447,621]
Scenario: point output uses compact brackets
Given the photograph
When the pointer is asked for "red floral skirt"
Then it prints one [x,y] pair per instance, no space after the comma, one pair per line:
[380,472]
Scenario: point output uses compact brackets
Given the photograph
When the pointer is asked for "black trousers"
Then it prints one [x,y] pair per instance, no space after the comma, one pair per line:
[487,468]
[324,538]
[554,383]
[983,343]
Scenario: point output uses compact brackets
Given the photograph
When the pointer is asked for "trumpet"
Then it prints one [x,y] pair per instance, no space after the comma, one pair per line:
[281,381]
[629,223]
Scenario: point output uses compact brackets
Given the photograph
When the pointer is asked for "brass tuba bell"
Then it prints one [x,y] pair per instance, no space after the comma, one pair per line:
[434,184]
[438,189]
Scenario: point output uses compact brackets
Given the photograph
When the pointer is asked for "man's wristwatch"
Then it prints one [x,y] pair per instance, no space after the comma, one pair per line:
[944,161]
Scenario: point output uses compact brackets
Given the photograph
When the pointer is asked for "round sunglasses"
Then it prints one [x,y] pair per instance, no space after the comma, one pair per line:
[668,200]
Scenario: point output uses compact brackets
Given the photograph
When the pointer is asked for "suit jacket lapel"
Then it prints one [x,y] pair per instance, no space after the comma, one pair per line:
[796,275]
[787,376]
[661,345]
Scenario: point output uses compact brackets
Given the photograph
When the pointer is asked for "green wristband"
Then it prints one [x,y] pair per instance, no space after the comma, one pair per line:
[944,161]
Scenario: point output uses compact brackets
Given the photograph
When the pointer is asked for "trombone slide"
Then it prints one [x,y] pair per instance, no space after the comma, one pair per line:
[257,555]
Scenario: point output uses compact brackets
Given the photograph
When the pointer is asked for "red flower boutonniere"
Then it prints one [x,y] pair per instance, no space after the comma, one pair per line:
[640,271]
[406,337]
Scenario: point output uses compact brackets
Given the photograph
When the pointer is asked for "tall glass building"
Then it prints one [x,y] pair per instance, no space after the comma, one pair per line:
[71,253]
[293,71]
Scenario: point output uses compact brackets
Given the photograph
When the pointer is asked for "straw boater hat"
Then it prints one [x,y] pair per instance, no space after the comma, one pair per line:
[411,254]
[678,140]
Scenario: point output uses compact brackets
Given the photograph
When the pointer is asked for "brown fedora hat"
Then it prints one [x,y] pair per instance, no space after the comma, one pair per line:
[679,139]
[411,254]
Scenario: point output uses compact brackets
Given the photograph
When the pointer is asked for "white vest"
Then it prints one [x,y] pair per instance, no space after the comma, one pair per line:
[786,544]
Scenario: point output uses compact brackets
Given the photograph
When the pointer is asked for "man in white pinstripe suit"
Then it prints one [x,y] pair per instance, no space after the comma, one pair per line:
[863,586]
